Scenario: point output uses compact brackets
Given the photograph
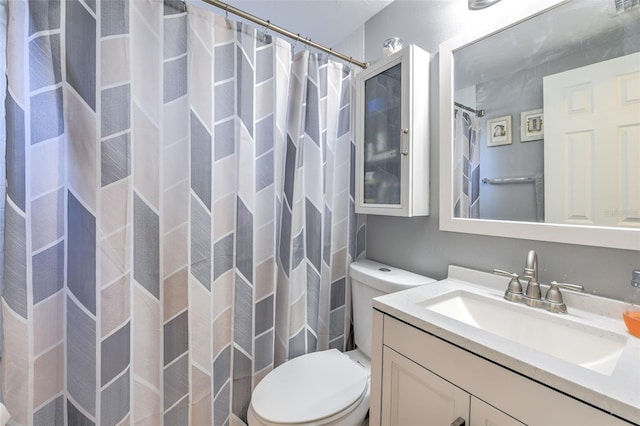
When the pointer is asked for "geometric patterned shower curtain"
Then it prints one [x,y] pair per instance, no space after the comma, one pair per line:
[466,164]
[179,212]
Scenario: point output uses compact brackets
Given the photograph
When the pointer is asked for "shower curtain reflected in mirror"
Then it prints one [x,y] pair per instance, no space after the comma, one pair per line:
[466,164]
[179,214]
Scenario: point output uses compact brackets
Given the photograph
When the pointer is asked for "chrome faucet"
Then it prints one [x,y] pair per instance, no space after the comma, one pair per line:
[552,301]
[533,295]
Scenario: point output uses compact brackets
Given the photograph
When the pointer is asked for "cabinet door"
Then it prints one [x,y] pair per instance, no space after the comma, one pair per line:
[413,396]
[483,414]
[382,111]
[392,135]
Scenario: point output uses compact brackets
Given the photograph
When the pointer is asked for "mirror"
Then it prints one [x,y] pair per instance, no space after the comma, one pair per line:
[540,126]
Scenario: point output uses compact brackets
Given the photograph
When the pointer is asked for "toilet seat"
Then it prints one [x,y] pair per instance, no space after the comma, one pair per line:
[312,388]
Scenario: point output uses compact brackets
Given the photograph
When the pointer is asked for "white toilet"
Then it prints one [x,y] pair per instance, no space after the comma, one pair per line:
[331,387]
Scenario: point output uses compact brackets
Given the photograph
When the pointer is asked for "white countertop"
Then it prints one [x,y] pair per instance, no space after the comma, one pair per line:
[618,393]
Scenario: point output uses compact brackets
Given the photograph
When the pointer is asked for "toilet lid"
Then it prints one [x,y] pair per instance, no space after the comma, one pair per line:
[309,387]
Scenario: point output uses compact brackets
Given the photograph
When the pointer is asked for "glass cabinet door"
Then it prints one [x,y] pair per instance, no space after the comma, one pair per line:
[392,135]
[382,137]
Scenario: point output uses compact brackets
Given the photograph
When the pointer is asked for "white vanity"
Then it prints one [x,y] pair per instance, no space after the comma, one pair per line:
[455,352]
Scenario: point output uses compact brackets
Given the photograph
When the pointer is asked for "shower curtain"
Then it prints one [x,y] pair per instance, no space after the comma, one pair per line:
[179,212]
[466,164]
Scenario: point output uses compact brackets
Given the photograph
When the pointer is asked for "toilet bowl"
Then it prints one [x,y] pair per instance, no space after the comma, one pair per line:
[320,388]
[331,387]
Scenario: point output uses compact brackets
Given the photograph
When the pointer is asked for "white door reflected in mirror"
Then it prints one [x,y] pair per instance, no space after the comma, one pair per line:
[593,144]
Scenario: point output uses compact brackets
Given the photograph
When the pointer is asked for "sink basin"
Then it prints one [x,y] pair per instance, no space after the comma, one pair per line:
[590,347]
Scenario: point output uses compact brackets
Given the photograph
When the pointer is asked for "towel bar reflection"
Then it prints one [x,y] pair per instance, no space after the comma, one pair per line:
[538,183]
[522,179]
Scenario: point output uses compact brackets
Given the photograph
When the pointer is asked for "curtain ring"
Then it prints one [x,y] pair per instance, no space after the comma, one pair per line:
[265,32]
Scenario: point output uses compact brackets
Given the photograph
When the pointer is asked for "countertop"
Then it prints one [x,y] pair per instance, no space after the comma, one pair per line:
[618,393]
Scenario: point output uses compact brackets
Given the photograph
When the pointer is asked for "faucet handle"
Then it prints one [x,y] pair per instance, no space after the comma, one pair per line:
[505,273]
[514,287]
[553,294]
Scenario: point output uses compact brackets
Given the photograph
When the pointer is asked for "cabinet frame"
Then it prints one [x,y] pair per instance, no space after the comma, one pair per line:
[414,149]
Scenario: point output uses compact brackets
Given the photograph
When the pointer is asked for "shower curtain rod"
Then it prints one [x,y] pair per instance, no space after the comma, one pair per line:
[269,26]
[478,112]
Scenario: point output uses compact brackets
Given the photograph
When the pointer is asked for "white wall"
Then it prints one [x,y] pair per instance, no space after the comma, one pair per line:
[417,244]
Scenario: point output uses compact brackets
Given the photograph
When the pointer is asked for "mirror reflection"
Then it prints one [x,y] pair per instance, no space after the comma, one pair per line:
[547,119]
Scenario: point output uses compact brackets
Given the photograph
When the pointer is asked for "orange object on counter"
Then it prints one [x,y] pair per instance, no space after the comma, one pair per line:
[632,321]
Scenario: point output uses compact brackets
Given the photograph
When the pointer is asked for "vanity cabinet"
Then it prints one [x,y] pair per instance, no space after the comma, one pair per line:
[392,135]
[420,379]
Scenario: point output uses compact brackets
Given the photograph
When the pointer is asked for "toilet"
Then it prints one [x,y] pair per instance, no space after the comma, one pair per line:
[331,387]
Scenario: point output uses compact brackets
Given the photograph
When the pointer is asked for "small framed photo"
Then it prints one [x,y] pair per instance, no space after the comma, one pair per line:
[499,131]
[531,125]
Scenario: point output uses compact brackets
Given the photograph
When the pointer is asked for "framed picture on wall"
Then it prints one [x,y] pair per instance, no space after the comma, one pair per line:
[531,125]
[499,131]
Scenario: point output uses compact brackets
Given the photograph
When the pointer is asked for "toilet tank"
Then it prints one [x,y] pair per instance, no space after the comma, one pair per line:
[371,279]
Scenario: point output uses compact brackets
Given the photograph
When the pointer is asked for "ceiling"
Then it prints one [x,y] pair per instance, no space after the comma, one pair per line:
[327,22]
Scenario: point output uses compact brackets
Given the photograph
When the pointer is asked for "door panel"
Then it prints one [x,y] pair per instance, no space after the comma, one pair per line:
[592,144]
[483,414]
[412,395]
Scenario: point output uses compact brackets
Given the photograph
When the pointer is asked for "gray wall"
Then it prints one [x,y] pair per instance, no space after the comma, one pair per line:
[521,91]
[416,244]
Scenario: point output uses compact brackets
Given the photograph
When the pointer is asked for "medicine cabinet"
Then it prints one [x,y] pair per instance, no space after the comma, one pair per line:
[392,135]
